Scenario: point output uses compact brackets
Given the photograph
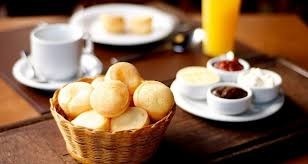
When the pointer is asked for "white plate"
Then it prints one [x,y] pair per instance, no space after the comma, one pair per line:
[201,109]
[90,65]
[163,23]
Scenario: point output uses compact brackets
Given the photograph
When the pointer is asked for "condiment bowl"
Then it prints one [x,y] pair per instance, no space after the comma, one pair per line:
[226,76]
[228,106]
[193,81]
[263,94]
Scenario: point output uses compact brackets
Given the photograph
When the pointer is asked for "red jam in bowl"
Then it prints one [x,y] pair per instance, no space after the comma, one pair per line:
[229,92]
[229,65]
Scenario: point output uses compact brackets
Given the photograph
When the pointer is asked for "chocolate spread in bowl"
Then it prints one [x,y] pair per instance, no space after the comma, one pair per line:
[229,92]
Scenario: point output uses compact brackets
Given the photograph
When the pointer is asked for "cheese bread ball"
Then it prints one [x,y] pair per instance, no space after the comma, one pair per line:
[141,24]
[127,73]
[92,120]
[133,118]
[110,98]
[113,23]
[155,97]
[97,81]
[74,98]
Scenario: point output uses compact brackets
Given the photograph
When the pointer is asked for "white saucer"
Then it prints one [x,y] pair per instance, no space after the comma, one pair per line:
[163,23]
[200,108]
[90,65]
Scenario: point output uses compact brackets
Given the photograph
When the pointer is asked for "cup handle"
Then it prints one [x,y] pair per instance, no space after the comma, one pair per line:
[88,48]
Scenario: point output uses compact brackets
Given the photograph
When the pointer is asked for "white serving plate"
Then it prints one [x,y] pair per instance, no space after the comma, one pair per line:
[200,108]
[88,19]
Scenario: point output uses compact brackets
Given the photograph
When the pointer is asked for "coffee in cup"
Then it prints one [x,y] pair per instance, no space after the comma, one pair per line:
[56,51]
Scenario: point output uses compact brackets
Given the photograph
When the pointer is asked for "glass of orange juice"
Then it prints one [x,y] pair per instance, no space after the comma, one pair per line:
[219,21]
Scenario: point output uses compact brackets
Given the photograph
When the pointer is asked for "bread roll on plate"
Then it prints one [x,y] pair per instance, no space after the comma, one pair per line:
[74,98]
[92,120]
[113,23]
[110,98]
[133,118]
[155,97]
[125,72]
[140,24]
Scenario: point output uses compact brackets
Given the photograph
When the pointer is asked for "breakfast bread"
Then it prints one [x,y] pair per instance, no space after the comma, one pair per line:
[125,72]
[92,120]
[110,98]
[132,118]
[113,23]
[97,80]
[74,98]
[155,97]
[140,24]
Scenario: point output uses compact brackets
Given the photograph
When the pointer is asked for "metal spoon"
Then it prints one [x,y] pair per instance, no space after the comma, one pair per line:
[35,76]
[179,43]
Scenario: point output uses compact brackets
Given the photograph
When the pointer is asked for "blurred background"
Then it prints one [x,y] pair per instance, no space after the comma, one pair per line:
[13,8]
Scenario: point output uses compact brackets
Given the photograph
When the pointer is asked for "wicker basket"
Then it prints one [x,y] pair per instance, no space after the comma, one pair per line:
[94,146]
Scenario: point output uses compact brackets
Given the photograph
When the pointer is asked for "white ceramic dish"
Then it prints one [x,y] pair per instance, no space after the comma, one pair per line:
[264,94]
[200,108]
[226,76]
[228,106]
[22,72]
[195,80]
[163,23]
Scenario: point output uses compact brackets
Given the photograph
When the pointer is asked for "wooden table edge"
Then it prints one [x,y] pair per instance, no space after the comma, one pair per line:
[27,122]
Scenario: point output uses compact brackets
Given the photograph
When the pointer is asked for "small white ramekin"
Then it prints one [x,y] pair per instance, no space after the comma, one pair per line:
[228,106]
[194,91]
[265,94]
[226,76]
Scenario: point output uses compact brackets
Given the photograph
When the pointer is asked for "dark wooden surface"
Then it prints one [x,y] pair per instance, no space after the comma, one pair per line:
[188,138]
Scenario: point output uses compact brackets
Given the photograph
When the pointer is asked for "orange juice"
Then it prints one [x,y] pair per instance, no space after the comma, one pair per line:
[219,20]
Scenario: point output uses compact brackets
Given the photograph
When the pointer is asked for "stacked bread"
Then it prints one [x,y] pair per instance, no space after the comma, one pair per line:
[120,100]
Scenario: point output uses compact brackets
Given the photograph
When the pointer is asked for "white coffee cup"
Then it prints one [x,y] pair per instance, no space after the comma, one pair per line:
[56,51]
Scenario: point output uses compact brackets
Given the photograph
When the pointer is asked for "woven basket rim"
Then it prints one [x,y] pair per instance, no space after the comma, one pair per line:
[54,103]
[168,116]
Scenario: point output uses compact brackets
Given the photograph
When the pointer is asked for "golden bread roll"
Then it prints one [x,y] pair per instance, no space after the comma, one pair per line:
[110,98]
[133,118]
[125,72]
[97,80]
[113,23]
[74,98]
[92,120]
[140,24]
[155,97]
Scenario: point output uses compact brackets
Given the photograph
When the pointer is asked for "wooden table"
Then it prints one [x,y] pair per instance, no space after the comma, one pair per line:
[34,137]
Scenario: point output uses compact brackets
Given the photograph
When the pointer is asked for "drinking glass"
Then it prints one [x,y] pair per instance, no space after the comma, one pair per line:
[219,22]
